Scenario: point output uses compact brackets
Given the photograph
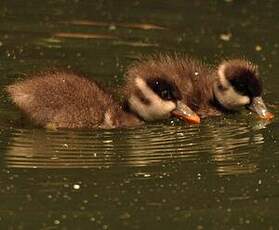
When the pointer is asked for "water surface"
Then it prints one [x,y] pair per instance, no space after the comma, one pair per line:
[222,174]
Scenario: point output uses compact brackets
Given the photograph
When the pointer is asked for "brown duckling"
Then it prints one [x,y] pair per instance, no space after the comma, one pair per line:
[207,91]
[68,100]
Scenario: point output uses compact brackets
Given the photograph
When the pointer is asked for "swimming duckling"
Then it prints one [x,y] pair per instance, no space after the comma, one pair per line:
[67,100]
[208,91]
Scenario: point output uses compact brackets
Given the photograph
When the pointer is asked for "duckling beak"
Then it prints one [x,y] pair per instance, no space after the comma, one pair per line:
[259,107]
[183,112]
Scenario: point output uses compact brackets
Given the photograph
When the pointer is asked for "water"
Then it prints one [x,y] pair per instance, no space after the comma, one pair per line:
[222,174]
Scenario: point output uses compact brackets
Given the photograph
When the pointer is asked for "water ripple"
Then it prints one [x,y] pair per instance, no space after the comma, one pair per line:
[233,148]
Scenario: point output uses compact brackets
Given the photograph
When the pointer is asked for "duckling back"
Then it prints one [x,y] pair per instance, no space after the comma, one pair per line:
[67,100]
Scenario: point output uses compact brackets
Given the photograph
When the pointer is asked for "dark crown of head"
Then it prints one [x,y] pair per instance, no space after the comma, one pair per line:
[244,78]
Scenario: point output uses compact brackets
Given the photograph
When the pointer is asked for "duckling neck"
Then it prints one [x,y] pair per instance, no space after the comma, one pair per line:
[218,103]
[129,113]
[120,116]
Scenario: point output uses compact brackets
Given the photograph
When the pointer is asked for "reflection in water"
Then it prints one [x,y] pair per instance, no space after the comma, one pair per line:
[143,26]
[230,148]
[46,42]
[54,41]
[135,44]
[84,35]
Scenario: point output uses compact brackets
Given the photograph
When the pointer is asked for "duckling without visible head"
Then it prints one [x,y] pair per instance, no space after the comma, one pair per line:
[68,100]
[207,91]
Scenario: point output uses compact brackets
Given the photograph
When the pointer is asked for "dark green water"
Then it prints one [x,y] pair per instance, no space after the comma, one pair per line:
[222,174]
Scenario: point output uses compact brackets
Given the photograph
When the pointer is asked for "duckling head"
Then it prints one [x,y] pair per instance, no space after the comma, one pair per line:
[156,98]
[238,85]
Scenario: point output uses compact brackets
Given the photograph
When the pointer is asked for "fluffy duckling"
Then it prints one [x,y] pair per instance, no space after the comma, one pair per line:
[68,100]
[208,91]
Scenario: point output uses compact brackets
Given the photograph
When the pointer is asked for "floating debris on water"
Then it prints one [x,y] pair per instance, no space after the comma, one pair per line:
[56,222]
[226,37]
[258,48]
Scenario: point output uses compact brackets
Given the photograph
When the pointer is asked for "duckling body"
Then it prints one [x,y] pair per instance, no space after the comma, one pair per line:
[68,100]
[208,91]
[62,99]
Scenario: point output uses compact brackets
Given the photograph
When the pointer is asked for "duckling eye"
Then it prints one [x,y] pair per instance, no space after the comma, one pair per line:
[165,94]
[164,89]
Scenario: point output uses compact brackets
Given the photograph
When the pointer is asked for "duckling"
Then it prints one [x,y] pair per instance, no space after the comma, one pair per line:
[207,91]
[63,99]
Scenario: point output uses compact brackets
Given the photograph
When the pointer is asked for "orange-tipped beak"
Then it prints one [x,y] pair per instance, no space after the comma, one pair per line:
[259,107]
[267,116]
[183,112]
[192,119]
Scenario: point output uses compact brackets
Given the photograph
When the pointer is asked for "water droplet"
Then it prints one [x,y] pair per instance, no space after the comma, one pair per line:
[200,227]
[76,186]
[247,221]
[105,227]
[56,222]
[147,175]
[112,27]
[226,37]
[258,48]
[177,208]
[125,215]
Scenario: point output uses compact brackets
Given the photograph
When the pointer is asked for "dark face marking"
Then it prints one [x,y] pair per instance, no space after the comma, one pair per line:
[221,87]
[244,81]
[164,89]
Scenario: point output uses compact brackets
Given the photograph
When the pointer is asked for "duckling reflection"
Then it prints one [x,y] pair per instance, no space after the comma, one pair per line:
[235,148]
[68,100]
[225,149]
[40,148]
[209,92]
